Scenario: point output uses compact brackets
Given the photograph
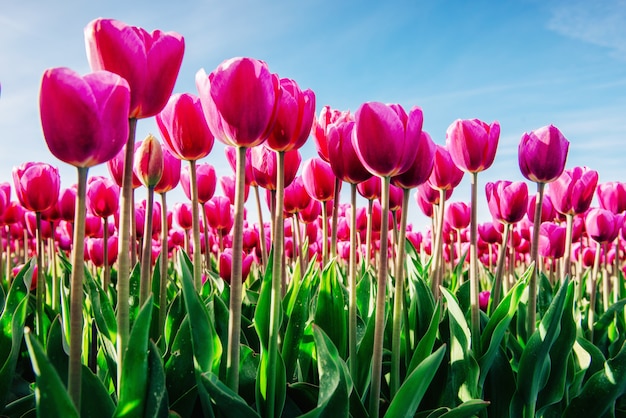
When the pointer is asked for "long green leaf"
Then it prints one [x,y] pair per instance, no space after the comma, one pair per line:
[156,394]
[427,342]
[467,409]
[52,397]
[410,394]
[133,385]
[227,402]
[179,370]
[331,310]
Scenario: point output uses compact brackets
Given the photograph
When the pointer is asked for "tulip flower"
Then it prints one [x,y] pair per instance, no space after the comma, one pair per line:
[542,155]
[320,129]
[612,196]
[226,261]
[36,185]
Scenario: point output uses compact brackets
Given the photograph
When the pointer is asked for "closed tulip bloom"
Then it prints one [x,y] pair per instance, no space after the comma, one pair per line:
[296,111]
[507,201]
[572,192]
[263,162]
[472,144]
[457,215]
[95,250]
[296,196]
[171,172]
[102,196]
[395,199]
[226,263]
[116,168]
[219,213]
[489,233]
[184,127]
[370,188]
[602,225]
[385,137]
[445,175]
[612,196]
[30,219]
[311,212]
[548,214]
[206,180]
[13,213]
[422,166]
[84,119]
[148,165]
[542,154]
[231,156]
[240,101]
[321,126]
[483,300]
[182,215]
[318,179]
[342,156]
[37,185]
[150,62]
[227,183]
[551,240]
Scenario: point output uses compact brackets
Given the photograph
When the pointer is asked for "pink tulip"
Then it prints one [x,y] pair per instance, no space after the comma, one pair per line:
[318,179]
[507,201]
[311,212]
[385,137]
[422,166]
[542,154]
[37,185]
[602,225]
[148,61]
[240,101]
[445,175]
[548,214]
[457,215]
[148,166]
[206,181]
[182,215]
[226,262]
[219,213]
[102,196]
[84,119]
[116,168]
[321,126]
[296,111]
[342,156]
[472,144]
[483,300]
[263,162]
[551,240]
[370,188]
[489,233]
[227,183]
[171,172]
[571,193]
[612,196]
[296,196]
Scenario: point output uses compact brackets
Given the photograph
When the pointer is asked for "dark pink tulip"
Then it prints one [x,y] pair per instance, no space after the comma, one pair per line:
[423,203]
[612,196]
[102,196]
[263,161]
[219,213]
[52,214]
[483,300]
[420,169]
[385,137]
[548,214]
[296,111]
[311,212]
[116,168]
[573,191]
[602,225]
[148,164]
[240,101]
[395,199]
[318,179]
[67,203]
[227,183]
[30,219]
[370,188]
[507,201]
[296,196]
[231,156]
[489,233]
[206,181]
[551,240]
[148,61]
[84,119]
[182,215]
[226,262]
[321,126]
[445,175]
[457,215]
[93,226]
[542,154]
[171,172]
[95,250]
[37,185]
[184,128]
[13,213]
[342,156]
[472,144]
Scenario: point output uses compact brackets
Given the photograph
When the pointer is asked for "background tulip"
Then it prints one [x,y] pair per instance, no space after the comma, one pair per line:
[507,201]
[542,154]
[36,185]
[472,144]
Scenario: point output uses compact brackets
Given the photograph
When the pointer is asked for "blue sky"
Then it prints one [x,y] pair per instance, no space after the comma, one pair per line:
[524,63]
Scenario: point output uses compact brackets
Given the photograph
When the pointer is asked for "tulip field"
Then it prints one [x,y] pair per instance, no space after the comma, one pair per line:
[115,302]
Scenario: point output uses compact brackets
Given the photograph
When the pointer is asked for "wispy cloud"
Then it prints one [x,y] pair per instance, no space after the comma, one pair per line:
[600,23]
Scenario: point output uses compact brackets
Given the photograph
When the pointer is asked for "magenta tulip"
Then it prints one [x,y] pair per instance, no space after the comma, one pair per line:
[296,196]
[226,262]
[264,168]
[472,144]
[321,126]
[542,154]
[148,61]
[507,201]
[206,180]
[445,175]
[37,185]
[102,196]
[422,166]
[342,156]
[116,169]
[171,172]
[571,193]
[602,225]
[84,119]
[148,166]
[612,196]
[458,215]
[318,179]
[219,213]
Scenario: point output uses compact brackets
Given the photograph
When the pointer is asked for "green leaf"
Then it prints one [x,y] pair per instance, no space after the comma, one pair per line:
[227,402]
[331,310]
[12,327]
[51,394]
[133,293]
[467,409]
[410,394]
[95,401]
[102,310]
[498,325]
[463,366]
[335,385]
[133,386]
[179,370]
[156,393]
[427,342]
[601,390]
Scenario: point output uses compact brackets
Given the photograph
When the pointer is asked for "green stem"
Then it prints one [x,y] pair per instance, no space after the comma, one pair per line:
[398,300]
[368,236]
[195,226]
[379,326]
[534,258]
[234,320]
[474,285]
[333,229]
[146,252]
[324,235]
[207,247]
[41,283]
[261,228]
[436,269]
[594,290]
[163,266]
[106,275]
[567,264]
[502,252]
[76,291]
[352,307]
[123,258]
[55,273]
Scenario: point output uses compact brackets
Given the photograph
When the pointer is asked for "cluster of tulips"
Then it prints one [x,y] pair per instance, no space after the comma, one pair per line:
[131,281]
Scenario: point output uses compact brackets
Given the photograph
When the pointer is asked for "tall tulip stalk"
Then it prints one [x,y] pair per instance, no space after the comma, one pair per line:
[91,133]
[473,144]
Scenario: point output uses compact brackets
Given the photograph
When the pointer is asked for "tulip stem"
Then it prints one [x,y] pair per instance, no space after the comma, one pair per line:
[124,232]
[368,236]
[352,319]
[41,284]
[261,228]
[324,235]
[567,264]
[146,252]
[474,284]
[76,291]
[195,226]
[333,229]
[398,301]
[234,320]
[502,252]
[594,291]
[436,268]
[534,258]
[106,275]
[381,287]
[163,267]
